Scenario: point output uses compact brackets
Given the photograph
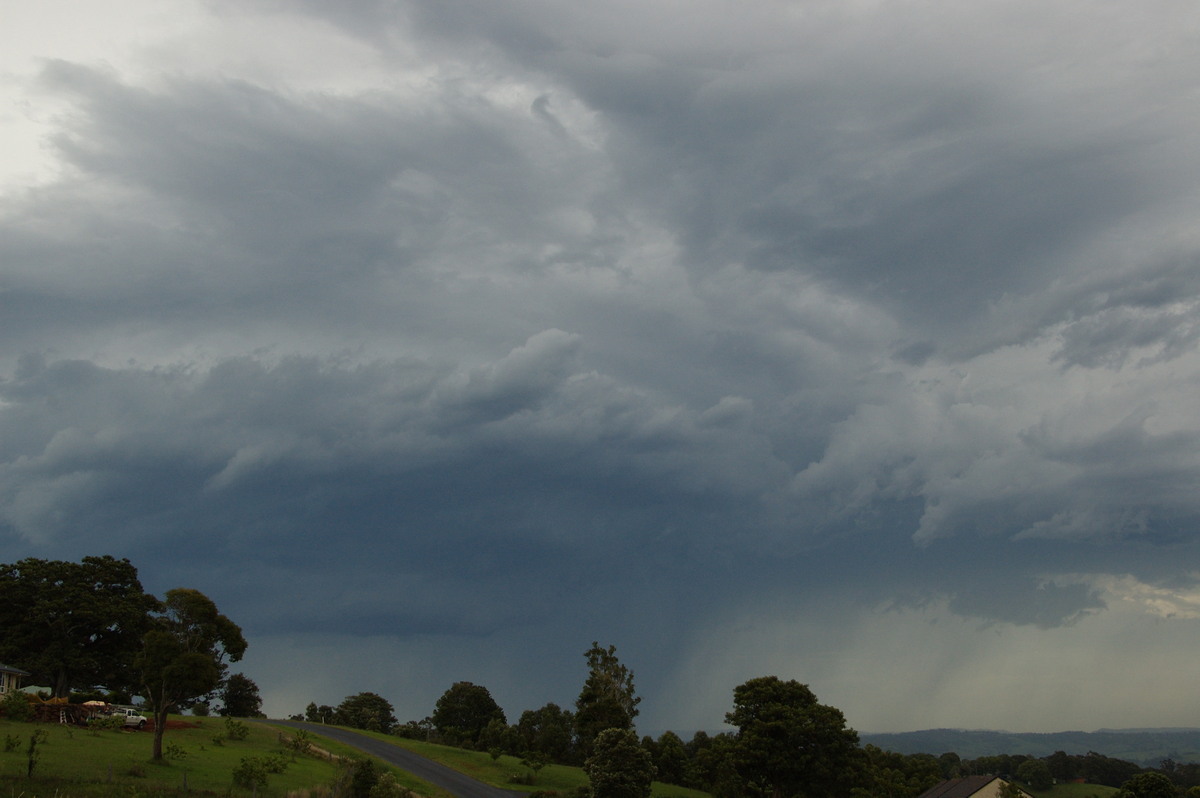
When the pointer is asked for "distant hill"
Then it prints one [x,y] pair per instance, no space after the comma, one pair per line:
[1146,747]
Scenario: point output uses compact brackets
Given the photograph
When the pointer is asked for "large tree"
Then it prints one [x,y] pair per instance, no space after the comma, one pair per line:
[369,711]
[788,744]
[670,758]
[240,697]
[607,700]
[73,625]
[464,711]
[546,731]
[1148,785]
[183,656]
[619,767]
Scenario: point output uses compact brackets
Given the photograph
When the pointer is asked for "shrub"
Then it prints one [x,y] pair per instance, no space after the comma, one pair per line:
[236,730]
[387,787]
[275,763]
[173,751]
[101,723]
[365,777]
[299,743]
[16,706]
[250,773]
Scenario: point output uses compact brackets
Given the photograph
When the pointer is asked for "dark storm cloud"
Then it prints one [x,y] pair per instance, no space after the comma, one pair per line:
[597,320]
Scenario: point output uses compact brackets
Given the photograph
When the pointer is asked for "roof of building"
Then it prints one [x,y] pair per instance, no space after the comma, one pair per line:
[958,788]
[8,669]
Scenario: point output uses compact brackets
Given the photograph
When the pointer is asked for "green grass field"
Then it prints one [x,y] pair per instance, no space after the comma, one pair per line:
[75,762]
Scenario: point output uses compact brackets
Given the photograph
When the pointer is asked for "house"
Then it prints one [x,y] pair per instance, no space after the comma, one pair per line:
[969,787]
[10,678]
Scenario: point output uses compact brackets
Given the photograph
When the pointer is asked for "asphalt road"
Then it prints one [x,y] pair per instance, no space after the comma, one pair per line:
[459,784]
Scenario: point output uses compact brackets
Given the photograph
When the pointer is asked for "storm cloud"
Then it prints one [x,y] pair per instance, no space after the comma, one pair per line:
[434,341]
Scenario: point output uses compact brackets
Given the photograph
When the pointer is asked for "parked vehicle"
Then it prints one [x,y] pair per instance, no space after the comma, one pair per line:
[132,717]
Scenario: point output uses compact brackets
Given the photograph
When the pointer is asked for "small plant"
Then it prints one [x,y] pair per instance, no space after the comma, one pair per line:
[387,787]
[11,742]
[31,753]
[275,763]
[299,743]
[137,770]
[251,773]
[235,729]
[535,761]
[173,751]
[218,739]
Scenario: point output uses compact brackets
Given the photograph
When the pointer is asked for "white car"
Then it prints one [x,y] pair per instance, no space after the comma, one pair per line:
[132,717]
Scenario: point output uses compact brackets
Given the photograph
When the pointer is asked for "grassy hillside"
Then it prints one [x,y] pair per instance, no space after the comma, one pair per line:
[73,762]
[501,772]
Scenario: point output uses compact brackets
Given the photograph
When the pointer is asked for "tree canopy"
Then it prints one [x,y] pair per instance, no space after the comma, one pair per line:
[183,655]
[607,700]
[546,731]
[463,713]
[368,711]
[619,767]
[1148,785]
[240,698]
[788,744]
[74,625]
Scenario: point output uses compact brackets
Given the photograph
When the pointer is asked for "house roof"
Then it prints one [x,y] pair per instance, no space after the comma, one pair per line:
[959,788]
[7,669]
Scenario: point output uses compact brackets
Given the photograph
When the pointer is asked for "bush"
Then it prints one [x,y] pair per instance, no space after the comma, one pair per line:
[173,751]
[387,787]
[251,773]
[276,763]
[299,743]
[236,730]
[99,723]
[366,776]
[16,706]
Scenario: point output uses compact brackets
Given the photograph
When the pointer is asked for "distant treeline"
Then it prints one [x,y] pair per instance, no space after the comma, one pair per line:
[1146,747]
[785,744]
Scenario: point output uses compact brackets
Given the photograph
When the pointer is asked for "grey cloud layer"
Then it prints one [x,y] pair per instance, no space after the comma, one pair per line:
[588,309]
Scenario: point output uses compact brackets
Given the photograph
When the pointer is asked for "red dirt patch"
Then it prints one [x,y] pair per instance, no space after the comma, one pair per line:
[174,724]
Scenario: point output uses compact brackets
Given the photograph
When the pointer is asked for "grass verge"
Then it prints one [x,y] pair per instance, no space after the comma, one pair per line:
[75,762]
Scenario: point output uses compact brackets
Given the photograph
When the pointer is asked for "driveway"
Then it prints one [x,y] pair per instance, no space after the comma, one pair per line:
[458,784]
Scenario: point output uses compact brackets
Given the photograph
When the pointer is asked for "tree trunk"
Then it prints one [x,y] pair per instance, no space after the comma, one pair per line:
[160,726]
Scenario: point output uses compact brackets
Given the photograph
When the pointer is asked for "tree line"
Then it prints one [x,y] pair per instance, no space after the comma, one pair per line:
[786,745]
[89,630]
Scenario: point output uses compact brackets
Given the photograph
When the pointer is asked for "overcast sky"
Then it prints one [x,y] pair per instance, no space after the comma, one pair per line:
[850,342]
